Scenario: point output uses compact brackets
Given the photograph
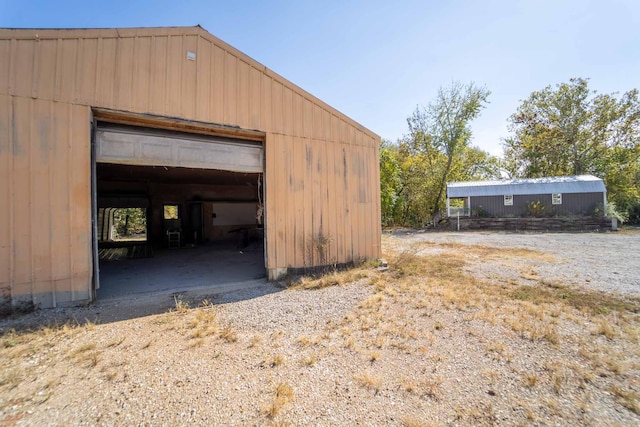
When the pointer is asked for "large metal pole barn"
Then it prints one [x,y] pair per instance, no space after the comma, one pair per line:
[83,109]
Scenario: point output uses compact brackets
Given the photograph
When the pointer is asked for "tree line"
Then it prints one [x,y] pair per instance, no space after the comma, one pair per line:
[564,130]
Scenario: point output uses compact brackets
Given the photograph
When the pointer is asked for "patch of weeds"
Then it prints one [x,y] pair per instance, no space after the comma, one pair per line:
[181,306]
[310,360]
[254,341]
[629,399]
[530,380]
[10,377]
[277,360]
[605,328]
[412,421]
[229,334]
[369,381]
[283,395]
[590,302]
[116,342]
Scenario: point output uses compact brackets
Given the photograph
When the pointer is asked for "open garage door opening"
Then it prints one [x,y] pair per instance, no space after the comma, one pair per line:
[176,211]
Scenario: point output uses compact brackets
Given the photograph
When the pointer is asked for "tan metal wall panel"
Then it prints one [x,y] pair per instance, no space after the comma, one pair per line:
[106,70]
[321,167]
[6,211]
[80,190]
[48,214]
[271,199]
[255,98]
[298,115]
[188,76]
[23,55]
[86,72]
[243,95]
[217,84]
[173,78]
[203,80]
[5,65]
[265,102]
[297,190]
[44,83]
[307,118]
[230,86]
[142,50]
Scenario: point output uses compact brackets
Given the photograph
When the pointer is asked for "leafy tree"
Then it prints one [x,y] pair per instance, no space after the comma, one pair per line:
[390,182]
[441,133]
[130,221]
[571,130]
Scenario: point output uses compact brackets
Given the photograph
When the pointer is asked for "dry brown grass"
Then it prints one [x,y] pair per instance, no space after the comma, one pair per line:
[369,381]
[283,395]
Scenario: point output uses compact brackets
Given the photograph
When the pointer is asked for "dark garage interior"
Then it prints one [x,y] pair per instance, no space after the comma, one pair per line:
[161,228]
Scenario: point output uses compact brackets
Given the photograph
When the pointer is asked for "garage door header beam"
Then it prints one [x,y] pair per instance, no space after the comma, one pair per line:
[176,124]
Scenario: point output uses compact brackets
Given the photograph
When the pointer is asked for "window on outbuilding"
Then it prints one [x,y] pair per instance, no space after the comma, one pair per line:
[556,198]
[508,200]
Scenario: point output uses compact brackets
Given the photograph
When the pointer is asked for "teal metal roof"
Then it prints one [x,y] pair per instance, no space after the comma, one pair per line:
[556,184]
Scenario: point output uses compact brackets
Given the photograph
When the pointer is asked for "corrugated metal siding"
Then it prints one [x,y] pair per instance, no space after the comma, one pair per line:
[559,184]
[572,204]
[45,250]
[321,167]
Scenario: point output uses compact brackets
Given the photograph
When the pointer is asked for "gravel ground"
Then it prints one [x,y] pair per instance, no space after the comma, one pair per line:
[600,261]
[366,352]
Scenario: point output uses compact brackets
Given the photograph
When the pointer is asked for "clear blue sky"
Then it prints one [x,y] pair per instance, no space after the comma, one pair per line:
[377,60]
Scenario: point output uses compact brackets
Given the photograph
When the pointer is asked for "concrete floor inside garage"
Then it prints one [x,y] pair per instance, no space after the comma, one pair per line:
[217,266]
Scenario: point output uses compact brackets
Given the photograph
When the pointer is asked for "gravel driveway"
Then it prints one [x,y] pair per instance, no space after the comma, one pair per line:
[601,261]
[432,344]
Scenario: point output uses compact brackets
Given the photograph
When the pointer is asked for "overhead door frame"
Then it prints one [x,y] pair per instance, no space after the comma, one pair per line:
[225,141]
